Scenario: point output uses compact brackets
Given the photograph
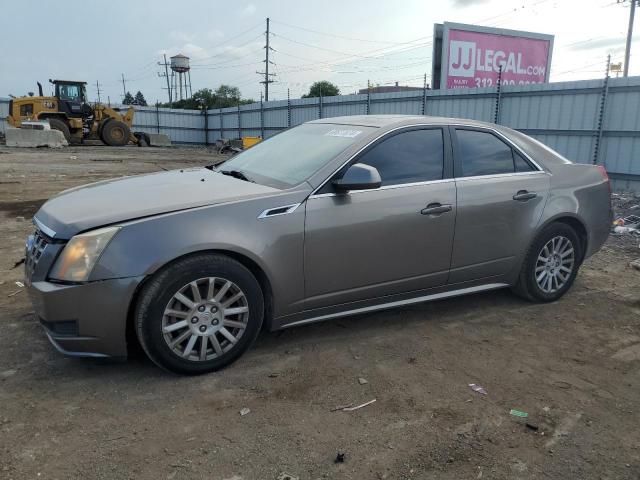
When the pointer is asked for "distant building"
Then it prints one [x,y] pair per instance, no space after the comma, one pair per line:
[390,89]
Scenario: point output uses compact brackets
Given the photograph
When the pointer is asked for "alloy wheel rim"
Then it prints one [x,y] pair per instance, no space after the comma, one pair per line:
[554,265]
[205,319]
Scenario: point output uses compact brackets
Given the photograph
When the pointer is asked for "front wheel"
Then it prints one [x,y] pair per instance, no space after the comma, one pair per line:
[551,264]
[199,314]
[115,133]
[61,126]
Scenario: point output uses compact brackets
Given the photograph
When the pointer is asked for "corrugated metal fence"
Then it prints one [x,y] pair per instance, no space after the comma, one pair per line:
[586,121]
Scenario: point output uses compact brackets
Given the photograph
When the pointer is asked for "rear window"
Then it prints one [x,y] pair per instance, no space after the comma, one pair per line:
[482,153]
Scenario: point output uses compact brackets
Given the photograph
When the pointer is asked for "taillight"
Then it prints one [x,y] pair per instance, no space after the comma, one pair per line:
[605,177]
[603,172]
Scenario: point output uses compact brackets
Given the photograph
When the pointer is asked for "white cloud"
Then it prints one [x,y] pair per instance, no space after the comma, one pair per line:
[220,54]
[214,34]
[194,52]
[180,36]
[249,10]
[468,3]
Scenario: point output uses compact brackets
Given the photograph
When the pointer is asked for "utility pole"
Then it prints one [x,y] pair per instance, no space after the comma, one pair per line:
[124,87]
[98,88]
[166,75]
[267,80]
[627,50]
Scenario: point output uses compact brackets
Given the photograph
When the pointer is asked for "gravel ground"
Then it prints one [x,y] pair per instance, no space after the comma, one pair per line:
[573,366]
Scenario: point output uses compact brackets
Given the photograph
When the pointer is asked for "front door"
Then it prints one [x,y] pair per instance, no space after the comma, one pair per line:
[501,196]
[368,244]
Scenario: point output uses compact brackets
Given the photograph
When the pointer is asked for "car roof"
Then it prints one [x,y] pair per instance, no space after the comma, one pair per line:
[382,121]
[542,154]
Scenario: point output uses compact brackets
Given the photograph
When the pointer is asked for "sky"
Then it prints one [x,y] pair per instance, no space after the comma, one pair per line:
[345,42]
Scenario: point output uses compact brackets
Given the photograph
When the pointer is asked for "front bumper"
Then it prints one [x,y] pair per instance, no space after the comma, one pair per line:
[86,320]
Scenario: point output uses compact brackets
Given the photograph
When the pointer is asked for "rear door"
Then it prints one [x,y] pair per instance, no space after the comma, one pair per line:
[371,243]
[501,195]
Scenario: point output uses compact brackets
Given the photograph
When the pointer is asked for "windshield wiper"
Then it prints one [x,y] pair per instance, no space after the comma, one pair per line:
[236,174]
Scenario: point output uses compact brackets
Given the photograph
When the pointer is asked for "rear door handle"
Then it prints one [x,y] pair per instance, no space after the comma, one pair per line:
[523,195]
[435,209]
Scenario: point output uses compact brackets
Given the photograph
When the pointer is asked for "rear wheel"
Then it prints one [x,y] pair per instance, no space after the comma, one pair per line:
[61,126]
[200,314]
[551,264]
[115,133]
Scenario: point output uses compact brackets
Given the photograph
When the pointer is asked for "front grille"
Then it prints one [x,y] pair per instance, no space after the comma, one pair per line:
[35,248]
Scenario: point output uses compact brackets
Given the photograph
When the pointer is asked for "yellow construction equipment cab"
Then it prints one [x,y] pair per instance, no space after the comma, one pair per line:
[69,112]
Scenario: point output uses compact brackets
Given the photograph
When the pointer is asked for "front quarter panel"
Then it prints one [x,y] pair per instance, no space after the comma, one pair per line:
[275,243]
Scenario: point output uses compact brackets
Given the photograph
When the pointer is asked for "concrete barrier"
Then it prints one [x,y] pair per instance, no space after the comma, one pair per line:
[158,140]
[22,137]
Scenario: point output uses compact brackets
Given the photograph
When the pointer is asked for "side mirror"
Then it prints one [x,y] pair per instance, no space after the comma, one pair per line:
[359,176]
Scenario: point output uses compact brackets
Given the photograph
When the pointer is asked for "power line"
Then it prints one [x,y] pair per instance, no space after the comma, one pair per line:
[232,46]
[341,36]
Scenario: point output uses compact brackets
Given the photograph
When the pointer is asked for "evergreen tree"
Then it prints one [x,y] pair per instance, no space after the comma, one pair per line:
[128,99]
[139,99]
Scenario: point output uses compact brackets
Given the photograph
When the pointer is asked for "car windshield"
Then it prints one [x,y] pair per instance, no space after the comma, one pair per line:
[289,158]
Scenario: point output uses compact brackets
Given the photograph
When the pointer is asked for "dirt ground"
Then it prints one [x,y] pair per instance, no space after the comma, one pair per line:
[573,365]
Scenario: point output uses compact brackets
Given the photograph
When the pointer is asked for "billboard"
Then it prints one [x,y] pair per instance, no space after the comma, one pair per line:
[470,56]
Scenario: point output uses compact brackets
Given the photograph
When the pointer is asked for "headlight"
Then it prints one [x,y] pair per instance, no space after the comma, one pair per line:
[81,253]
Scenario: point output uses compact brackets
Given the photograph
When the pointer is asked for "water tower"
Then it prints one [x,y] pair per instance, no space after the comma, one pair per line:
[181,76]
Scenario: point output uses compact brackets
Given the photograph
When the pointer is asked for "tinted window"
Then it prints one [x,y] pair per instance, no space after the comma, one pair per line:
[414,156]
[521,164]
[483,154]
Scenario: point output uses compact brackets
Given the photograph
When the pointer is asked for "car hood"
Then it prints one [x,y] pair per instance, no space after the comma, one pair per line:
[111,201]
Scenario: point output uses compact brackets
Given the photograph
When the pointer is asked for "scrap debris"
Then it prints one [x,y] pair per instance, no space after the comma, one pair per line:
[339,458]
[626,225]
[477,388]
[518,413]
[357,407]
[286,476]
[244,411]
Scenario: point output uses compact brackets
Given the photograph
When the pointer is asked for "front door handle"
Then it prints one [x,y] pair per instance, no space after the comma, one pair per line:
[523,195]
[436,209]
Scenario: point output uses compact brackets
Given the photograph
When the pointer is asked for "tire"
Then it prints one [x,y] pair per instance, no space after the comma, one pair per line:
[541,281]
[172,333]
[100,127]
[115,133]
[61,125]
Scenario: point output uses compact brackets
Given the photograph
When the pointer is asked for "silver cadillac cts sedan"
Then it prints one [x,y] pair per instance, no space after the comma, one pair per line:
[335,217]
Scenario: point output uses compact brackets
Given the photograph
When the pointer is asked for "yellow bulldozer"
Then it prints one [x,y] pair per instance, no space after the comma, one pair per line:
[69,112]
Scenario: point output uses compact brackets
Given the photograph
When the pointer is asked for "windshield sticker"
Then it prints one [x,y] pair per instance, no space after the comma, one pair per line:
[336,132]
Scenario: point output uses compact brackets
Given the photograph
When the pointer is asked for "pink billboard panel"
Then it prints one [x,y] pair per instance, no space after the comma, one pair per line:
[475,59]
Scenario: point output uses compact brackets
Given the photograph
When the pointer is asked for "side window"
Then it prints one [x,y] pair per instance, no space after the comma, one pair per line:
[483,154]
[413,156]
[521,164]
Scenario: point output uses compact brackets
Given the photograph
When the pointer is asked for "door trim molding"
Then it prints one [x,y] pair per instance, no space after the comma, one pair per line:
[386,187]
[398,303]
